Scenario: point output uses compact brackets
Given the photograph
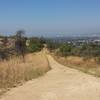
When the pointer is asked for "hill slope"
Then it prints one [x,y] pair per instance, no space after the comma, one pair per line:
[60,83]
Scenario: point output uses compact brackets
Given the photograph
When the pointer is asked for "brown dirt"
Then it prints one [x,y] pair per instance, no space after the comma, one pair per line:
[60,83]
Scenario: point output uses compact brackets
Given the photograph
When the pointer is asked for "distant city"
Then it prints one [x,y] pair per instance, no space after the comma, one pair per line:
[78,40]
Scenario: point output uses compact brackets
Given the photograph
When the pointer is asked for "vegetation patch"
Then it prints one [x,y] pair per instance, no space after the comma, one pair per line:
[14,71]
[84,57]
[88,65]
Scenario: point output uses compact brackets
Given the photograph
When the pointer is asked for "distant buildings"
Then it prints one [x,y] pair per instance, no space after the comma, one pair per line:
[1,41]
[77,41]
[97,41]
[9,42]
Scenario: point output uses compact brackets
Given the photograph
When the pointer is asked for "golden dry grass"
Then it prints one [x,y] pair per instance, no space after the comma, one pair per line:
[15,71]
[88,65]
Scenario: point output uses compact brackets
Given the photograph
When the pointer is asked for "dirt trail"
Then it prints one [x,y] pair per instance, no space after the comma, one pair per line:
[61,83]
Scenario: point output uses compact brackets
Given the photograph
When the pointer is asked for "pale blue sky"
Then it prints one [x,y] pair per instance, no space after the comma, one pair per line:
[50,16]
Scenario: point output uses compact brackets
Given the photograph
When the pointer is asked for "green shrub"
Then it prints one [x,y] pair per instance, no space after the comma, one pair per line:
[35,47]
[65,49]
[85,50]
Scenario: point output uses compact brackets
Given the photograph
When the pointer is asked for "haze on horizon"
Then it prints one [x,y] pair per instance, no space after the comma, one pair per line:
[50,17]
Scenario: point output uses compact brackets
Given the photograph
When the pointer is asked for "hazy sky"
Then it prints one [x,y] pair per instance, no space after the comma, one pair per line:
[50,16]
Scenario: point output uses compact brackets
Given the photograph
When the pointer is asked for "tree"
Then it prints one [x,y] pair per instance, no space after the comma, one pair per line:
[65,49]
[35,45]
[20,43]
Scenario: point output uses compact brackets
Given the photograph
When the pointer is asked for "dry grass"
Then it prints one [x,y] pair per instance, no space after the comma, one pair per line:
[88,65]
[15,71]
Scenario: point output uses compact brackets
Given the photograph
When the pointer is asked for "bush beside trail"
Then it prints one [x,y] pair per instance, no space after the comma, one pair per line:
[14,71]
[85,50]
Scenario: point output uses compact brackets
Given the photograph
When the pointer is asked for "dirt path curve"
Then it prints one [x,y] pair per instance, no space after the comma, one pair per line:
[61,83]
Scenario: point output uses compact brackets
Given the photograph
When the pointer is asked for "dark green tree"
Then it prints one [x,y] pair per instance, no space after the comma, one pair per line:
[20,43]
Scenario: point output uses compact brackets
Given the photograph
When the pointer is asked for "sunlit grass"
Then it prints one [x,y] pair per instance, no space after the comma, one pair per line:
[15,71]
[88,65]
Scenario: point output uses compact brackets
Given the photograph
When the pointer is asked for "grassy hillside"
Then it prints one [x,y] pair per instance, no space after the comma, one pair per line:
[15,71]
[87,65]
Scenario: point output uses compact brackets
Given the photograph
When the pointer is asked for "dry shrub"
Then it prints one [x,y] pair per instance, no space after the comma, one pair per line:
[88,65]
[16,71]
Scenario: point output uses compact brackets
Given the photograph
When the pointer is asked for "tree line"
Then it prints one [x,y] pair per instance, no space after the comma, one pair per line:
[22,45]
[66,49]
